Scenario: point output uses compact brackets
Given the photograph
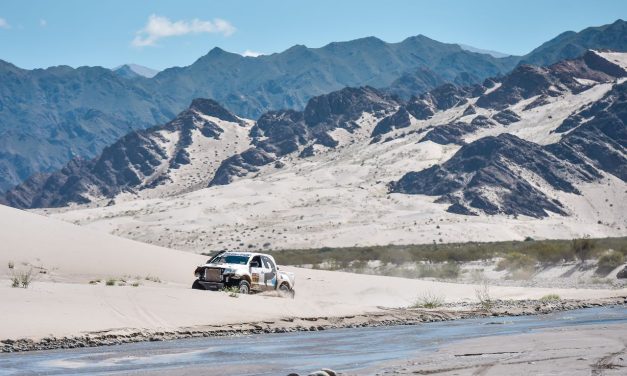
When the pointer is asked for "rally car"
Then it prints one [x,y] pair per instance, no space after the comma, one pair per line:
[248,272]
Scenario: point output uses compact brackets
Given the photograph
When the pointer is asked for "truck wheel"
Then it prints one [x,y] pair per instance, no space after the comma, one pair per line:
[244,287]
[197,286]
[286,290]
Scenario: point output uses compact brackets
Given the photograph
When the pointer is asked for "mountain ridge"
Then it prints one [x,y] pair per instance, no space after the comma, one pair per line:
[76,112]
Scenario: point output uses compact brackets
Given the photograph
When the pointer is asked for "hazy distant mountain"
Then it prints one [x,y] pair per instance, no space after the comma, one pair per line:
[135,70]
[250,86]
[571,44]
[49,116]
[482,51]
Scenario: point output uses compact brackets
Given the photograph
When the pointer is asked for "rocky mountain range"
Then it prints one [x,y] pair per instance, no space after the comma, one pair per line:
[488,126]
[50,116]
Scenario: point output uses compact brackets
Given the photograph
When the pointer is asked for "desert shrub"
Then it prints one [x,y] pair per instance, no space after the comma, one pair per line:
[429,300]
[516,261]
[11,265]
[550,298]
[484,296]
[232,291]
[110,282]
[153,279]
[582,248]
[22,278]
[609,261]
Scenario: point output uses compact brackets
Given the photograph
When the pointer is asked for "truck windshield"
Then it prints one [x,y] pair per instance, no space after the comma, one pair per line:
[230,259]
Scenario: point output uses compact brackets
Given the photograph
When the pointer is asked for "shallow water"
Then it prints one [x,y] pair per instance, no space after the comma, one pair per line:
[280,354]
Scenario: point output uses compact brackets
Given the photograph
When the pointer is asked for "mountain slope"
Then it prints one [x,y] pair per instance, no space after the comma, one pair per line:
[495,174]
[181,152]
[570,44]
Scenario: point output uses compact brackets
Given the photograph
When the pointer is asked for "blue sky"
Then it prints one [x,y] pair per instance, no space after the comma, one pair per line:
[162,33]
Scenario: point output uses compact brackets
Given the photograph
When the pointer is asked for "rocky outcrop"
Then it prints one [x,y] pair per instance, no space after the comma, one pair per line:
[400,119]
[453,133]
[485,176]
[240,165]
[506,117]
[279,133]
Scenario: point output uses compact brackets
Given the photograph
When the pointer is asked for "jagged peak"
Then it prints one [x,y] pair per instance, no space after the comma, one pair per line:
[209,107]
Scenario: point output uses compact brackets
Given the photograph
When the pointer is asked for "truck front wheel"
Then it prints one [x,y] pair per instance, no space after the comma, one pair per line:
[197,286]
[285,289]
[244,287]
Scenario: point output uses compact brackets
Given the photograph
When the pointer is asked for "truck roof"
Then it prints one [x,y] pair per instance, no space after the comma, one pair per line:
[238,253]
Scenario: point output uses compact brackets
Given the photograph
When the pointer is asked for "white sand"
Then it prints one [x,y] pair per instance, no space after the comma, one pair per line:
[62,302]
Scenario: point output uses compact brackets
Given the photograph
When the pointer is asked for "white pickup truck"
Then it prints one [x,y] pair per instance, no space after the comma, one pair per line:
[247,271]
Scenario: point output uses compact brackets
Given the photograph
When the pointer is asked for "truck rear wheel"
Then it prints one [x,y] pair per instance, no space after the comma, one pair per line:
[244,287]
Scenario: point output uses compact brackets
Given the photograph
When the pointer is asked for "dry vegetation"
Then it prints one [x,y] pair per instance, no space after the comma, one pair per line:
[520,258]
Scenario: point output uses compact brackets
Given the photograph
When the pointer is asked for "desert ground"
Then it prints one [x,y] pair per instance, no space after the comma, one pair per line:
[70,296]
[588,350]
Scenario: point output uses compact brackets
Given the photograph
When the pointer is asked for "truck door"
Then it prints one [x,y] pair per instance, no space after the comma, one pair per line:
[270,273]
[257,274]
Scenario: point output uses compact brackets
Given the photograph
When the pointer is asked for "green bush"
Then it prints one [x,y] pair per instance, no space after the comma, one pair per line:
[609,261]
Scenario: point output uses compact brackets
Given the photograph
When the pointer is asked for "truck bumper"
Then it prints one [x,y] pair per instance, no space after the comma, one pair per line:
[211,285]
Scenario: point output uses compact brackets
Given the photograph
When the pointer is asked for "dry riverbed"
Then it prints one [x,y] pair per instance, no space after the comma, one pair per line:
[383,317]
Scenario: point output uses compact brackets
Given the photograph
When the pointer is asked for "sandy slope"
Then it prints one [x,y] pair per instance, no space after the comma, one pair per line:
[62,302]
[68,252]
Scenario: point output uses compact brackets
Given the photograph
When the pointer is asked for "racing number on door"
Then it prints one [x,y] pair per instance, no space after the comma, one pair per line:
[256,273]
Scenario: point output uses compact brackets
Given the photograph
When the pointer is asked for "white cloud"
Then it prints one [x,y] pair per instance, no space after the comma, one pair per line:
[159,27]
[43,23]
[4,24]
[250,53]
